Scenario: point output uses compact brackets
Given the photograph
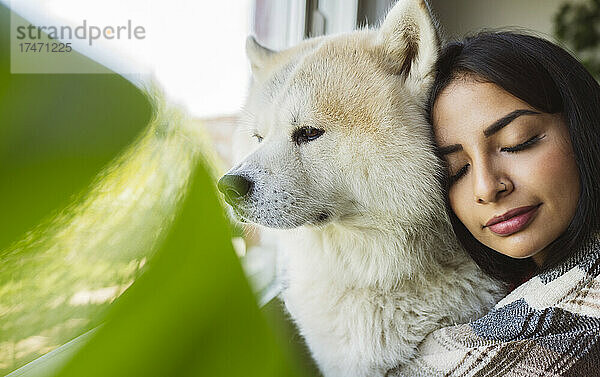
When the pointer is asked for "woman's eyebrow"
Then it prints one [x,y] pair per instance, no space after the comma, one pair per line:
[505,120]
[489,131]
[442,151]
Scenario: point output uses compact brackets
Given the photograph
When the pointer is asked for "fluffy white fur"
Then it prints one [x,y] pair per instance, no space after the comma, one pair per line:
[369,261]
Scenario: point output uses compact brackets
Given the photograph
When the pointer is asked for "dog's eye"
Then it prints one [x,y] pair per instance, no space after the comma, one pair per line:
[258,137]
[306,134]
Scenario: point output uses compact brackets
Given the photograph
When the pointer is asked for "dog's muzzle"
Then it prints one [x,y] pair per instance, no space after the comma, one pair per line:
[234,187]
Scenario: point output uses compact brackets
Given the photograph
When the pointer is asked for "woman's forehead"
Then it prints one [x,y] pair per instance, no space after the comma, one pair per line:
[469,106]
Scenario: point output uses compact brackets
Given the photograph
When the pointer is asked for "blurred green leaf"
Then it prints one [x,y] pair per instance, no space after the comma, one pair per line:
[191,314]
[92,178]
[56,132]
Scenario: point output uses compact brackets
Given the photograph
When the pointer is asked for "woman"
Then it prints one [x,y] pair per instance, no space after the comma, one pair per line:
[517,123]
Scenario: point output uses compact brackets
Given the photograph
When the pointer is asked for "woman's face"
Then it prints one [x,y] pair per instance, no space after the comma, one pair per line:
[514,180]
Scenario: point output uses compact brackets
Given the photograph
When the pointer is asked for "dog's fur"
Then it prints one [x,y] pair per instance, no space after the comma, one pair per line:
[371,263]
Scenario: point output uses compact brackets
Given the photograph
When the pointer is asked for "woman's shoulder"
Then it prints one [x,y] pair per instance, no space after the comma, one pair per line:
[551,323]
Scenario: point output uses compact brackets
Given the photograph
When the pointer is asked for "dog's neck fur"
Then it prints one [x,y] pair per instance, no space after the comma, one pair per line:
[346,252]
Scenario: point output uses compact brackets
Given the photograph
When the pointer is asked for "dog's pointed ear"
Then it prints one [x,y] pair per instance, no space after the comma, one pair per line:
[259,55]
[409,40]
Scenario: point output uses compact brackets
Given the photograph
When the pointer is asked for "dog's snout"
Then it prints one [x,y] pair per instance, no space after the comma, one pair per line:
[234,187]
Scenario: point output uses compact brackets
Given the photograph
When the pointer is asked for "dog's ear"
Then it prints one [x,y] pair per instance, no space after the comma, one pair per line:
[409,41]
[258,55]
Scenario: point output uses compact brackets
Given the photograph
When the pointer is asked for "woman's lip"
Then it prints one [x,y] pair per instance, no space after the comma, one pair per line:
[512,221]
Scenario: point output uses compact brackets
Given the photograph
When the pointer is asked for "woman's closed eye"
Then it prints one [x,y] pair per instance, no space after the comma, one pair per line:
[516,148]
[524,145]
[462,171]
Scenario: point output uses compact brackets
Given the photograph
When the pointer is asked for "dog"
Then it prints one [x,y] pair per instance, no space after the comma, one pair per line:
[340,163]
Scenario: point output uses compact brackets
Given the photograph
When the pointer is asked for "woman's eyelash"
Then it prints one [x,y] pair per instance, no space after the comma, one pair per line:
[460,173]
[522,146]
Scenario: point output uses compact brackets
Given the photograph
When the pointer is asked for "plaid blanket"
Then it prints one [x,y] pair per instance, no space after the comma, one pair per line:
[548,326]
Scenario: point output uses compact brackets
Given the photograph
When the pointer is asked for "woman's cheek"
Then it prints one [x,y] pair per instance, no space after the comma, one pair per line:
[460,198]
[552,174]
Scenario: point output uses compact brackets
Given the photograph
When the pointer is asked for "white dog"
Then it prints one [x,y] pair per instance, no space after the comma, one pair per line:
[342,163]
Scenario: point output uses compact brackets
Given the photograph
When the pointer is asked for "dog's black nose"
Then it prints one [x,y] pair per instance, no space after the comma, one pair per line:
[234,187]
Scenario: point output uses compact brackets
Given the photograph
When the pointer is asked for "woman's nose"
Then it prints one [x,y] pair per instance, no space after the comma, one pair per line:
[490,184]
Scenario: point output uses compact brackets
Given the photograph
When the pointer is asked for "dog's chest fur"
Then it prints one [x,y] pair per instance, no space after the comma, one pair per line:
[358,324]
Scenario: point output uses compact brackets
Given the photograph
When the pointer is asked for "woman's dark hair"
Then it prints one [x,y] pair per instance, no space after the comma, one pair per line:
[552,81]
